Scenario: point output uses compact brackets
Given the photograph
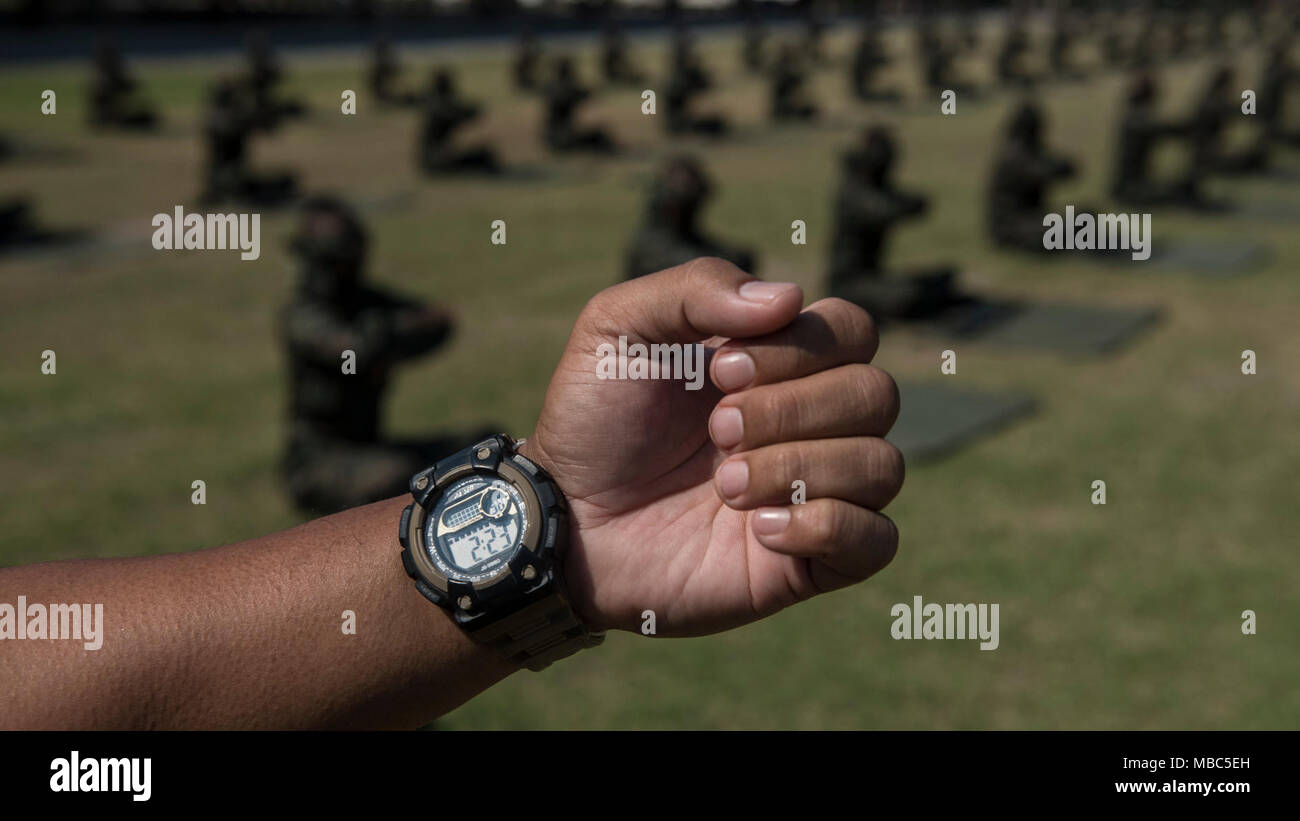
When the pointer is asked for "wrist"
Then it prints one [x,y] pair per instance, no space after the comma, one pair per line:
[580,587]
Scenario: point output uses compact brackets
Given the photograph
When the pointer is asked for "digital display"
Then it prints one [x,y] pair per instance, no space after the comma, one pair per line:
[475,526]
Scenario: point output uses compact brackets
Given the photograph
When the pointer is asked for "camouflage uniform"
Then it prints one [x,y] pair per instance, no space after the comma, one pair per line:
[528,57]
[614,62]
[563,97]
[1140,133]
[15,222]
[789,97]
[869,57]
[814,31]
[229,122]
[687,80]
[669,236]
[1274,90]
[444,113]
[1217,107]
[384,71]
[264,74]
[1060,49]
[336,457]
[1011,69]
[936,59]
[113,98]
[867,205]
[1022,172]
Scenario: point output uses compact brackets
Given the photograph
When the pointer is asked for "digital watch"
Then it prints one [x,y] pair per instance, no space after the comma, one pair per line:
[484,540]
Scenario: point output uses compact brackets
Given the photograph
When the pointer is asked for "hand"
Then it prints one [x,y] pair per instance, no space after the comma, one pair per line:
[430,324]
[662,517]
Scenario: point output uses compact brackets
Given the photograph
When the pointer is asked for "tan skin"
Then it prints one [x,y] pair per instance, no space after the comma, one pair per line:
[248,635]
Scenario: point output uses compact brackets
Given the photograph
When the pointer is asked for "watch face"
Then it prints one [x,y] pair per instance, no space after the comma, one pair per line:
[476,527]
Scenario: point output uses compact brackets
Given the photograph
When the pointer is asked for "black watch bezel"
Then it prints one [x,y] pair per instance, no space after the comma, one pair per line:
[532,573]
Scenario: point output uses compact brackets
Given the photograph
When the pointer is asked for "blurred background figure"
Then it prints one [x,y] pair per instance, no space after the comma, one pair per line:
[814,33]
[1219,103]
[1062,59]
[1114,42]
[1023,171]
[615,64]
[867,205]
[670,234]
[230,120]
[337,456]
[385,70]
[1274,95]
[115,100]
[1013,57]
[444,114]
[687,80]
[753,39]
[564,94]
[1141,130]
[17,225]
[263,79]
[936,59]
[869,58]
[790,96]
[527,62]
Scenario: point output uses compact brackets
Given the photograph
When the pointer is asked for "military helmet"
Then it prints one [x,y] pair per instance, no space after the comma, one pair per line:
[873,159]
[679,189]
[1026,125]
[331,241]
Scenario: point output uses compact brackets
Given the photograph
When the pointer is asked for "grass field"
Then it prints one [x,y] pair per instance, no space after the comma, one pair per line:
[1122,616]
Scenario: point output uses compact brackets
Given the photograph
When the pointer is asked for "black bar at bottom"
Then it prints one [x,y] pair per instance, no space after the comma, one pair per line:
[466,773]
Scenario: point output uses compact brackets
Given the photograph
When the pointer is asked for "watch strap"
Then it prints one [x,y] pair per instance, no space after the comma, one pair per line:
[539,633]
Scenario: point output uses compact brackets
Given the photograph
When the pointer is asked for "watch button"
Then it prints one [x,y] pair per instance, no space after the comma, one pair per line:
[404,527]
[526,463]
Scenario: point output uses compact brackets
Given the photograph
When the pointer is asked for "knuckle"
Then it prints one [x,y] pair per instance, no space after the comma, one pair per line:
[787,465]
[607,315]
[855,326]
[890,538]
[882,395]
[827,522]
[888,467]
[783,413]
[869,390]
[710,268]
[601,308]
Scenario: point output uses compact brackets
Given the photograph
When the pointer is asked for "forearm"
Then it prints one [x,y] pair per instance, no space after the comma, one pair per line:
[246,635]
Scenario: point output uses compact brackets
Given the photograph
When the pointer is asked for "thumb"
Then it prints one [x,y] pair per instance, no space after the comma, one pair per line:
[691,302]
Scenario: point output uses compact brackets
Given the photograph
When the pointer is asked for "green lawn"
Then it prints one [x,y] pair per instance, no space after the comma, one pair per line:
[1122,616]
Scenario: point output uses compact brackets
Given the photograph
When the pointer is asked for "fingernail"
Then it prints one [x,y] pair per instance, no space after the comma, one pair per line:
[733,478]
[734,370]
[770,521]
[759,291]
[727,427]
